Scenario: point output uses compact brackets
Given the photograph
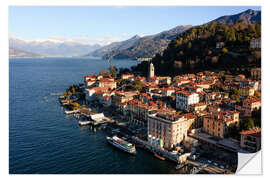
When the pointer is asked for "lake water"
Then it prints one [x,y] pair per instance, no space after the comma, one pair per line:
[43,140]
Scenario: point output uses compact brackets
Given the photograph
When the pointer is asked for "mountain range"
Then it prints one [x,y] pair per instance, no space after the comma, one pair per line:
[17,53]
[149,46]
[139,47]
[249,16]
[51,48]
[135,47]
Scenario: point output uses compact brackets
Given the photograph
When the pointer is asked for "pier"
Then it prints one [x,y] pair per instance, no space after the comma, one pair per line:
[168,155]
[207,167]
[93,117]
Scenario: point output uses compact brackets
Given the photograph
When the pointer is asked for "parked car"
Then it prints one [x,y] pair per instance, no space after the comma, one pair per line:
[209,161]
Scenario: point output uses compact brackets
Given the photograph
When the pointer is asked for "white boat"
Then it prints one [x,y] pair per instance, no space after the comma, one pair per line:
[82,123]
[122,145]
[71,112]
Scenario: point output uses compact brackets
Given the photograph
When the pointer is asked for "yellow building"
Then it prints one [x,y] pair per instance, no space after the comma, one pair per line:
[192,122]
[256,73]
[201,106]
[216,124]
[121,96]
[246,91]
[139,110]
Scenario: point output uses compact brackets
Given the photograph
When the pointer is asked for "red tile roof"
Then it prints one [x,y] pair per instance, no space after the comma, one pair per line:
[185,93]
[189,116]
[252,132]
[253,100]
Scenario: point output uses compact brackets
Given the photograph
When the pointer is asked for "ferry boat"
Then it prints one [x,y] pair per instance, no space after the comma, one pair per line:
[122,145]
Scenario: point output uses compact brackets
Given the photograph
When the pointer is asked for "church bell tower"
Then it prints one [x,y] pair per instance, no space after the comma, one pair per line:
[151,71]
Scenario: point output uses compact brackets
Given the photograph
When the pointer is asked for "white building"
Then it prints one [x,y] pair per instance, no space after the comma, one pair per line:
[91,94]
[184,99]
[255,43]
[219,45]
[166,130]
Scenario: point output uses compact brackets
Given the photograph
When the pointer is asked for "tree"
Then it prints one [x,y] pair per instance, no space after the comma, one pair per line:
[235,94]
[138,85]
[113,71]
[258,29]
[225,50]
[256,115]
[232,131]
[189,45]
[104,73]
[247,124]
[235,91]
[251,28]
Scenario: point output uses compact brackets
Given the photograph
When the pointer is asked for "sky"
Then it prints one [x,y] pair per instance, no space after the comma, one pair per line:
[106,24]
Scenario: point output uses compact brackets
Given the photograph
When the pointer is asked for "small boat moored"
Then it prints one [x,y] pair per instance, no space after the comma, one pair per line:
[159,157]
[71,112]
[82,123]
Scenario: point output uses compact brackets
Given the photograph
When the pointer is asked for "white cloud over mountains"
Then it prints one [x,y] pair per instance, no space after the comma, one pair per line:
[85,40]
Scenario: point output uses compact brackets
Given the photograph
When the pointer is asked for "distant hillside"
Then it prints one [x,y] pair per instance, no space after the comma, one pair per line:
[249,16]
[52,48]
[114,46]
[17,53]
[195,50]
[138,47]
[149,46]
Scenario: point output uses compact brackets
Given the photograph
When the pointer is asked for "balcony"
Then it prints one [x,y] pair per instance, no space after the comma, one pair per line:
[250,141]
[250,148]
[250,145]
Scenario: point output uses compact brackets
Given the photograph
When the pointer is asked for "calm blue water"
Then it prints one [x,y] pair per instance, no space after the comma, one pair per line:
[43,140]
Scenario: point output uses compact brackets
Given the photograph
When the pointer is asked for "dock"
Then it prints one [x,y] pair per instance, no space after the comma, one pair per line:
[95,119]
[207,167]
[87,112]
[180,166]
[168,155]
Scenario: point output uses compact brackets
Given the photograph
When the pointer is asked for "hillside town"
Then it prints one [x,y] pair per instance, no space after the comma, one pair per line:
[208,111]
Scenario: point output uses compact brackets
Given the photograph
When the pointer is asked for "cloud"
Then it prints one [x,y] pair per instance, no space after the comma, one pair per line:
[106,40]
[124,35]
[119,7]
[142,35]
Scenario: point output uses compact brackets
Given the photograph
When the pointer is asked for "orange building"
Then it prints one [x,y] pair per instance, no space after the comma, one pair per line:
[256,73]
[251,140]
[216,124]
[246,91]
